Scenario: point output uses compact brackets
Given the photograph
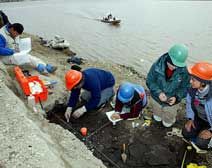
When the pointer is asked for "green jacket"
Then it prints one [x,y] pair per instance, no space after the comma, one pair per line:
[176,86]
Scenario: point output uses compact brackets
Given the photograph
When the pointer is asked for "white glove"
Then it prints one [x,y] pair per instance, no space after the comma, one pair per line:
[68,113]
[79,112]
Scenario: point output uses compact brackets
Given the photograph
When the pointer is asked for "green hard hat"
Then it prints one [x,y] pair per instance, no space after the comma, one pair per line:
[178,54]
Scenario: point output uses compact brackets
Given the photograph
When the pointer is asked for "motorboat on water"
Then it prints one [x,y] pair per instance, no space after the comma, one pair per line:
[110,19]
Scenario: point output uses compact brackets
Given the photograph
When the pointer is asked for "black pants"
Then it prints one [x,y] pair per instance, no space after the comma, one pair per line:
[193,134]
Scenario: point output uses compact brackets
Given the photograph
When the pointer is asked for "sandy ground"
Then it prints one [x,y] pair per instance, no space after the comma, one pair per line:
[27,139]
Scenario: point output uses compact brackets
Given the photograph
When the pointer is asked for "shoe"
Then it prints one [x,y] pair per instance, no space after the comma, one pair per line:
[135,118]
[147,115]
[51,68]
[113,102]
[103,105]
[167,125]
[40,68]
[157,118]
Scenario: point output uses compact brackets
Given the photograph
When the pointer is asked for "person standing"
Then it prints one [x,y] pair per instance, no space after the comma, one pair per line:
[198,127]
[168,82]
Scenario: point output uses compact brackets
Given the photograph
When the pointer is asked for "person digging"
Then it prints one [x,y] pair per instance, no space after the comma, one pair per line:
[97,89]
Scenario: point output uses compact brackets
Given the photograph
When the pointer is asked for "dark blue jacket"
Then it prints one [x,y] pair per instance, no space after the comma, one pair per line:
[95,80]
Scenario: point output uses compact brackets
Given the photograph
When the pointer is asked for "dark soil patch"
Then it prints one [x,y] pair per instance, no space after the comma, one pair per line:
[146,147]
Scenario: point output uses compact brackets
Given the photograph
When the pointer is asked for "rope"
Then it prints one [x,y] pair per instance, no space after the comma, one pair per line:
[86,139]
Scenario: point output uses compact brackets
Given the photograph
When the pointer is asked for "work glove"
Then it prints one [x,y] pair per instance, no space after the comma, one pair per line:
[68,113]
[79,112]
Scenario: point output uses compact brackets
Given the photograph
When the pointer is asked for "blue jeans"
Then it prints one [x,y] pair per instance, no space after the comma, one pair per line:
[106,95]
[193,134]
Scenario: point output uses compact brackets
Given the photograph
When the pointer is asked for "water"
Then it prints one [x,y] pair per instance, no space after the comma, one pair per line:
[148,28]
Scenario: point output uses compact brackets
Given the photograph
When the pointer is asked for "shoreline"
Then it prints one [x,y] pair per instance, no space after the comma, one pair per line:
[33,128]
[28,137]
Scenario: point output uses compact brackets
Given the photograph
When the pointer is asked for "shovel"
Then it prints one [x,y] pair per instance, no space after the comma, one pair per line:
[124,155]
[198,150]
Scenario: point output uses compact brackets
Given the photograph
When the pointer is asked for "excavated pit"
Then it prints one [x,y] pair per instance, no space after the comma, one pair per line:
[146,147]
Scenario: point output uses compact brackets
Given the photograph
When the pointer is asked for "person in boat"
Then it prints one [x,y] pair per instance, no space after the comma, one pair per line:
[198,126]
[109,16]
[114,18]
[9,45]
[168,82]
[130,100]
[97,89]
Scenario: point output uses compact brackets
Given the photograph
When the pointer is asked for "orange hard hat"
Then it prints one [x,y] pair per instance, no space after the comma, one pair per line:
[202,70]
[72,78]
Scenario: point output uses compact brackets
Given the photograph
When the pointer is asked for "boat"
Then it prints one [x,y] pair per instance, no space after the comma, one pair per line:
[111,21]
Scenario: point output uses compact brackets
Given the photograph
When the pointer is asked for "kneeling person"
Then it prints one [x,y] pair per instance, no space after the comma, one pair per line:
[130,101]
[198,128]
[97,85]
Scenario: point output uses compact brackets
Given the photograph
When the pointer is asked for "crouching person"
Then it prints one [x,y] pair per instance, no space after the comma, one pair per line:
[97,85]
[198,127]
[130,101]
[9,42]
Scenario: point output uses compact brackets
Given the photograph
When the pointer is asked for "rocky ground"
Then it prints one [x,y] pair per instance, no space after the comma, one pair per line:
[28,139]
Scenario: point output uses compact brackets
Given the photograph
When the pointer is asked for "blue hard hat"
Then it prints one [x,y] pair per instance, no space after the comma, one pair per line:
[126,92]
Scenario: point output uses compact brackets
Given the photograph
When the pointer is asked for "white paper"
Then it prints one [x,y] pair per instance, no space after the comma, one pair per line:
[35,87]
[109,116]
[22,57]
[25,45]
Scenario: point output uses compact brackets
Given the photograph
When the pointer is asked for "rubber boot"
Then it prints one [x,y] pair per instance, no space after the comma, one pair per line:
[40,68]
[51,68]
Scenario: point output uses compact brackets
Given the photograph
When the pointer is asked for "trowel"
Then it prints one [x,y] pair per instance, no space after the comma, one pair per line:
[198,150]
[124,155]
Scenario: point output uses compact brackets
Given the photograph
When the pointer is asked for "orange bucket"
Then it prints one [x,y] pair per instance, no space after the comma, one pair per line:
[83,131]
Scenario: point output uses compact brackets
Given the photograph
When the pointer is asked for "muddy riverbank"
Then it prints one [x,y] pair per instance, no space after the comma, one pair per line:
[28,139]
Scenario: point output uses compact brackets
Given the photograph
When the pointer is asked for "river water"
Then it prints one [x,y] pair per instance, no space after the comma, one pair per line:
[148,28]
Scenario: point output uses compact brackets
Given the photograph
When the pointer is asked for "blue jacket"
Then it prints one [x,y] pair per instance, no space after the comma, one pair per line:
[95,80]
[176,86]
[4,50]
[190,111]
